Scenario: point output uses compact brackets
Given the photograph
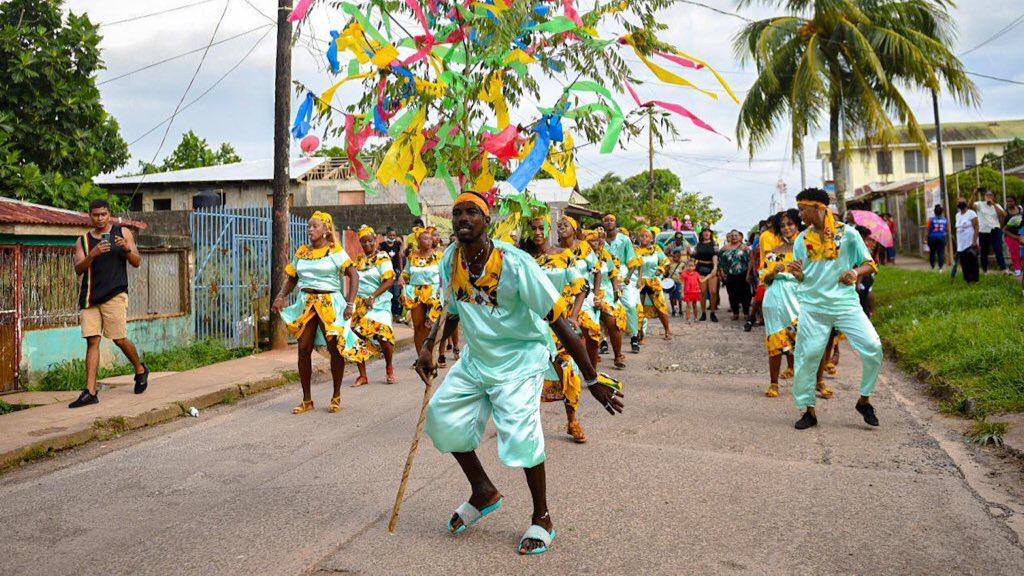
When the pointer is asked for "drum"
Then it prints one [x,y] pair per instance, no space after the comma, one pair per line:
[667,284]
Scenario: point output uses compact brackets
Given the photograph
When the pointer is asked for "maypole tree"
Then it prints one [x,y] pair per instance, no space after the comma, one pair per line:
[440,80]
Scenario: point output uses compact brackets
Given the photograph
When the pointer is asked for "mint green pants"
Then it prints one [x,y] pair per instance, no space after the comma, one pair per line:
[812,338]
[630,299]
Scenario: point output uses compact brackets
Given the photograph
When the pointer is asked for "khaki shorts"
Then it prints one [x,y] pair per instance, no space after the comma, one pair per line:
[109,319]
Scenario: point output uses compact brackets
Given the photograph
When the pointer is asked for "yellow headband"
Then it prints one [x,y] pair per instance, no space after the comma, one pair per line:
[323,217]
[572,222]
[474,199]
[591,235]
[610,218]
[365,231]
[811,203]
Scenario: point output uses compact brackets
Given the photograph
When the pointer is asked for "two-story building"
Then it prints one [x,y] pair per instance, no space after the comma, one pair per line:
[904,163]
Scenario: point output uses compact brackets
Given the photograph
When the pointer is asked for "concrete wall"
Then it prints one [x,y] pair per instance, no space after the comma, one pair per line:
[379,216]
[41,349]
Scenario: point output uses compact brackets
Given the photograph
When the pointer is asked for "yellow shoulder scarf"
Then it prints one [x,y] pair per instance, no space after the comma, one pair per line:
[822,245]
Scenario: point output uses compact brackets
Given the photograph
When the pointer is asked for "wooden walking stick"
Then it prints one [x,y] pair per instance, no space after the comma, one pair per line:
[428,379]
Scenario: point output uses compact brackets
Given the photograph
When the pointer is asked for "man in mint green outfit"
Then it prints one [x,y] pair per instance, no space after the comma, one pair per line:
[620,246]
[828,259]
[507,308]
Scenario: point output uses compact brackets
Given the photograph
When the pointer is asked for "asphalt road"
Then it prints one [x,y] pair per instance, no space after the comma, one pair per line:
[702,475]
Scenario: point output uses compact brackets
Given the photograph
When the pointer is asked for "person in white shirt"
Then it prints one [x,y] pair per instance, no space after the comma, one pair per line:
[990,233]
[967,232]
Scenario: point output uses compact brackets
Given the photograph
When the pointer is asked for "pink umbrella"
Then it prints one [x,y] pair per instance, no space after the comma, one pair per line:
[878,226]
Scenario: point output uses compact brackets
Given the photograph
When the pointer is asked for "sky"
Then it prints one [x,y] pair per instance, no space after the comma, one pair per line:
[239,106]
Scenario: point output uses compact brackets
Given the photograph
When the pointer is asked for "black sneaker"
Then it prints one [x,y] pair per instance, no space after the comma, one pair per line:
[704,317]
[713,317]
[748,326]
[806,421]
[868,412]
[142,380]
[634,344]
[604,347]
[85,399]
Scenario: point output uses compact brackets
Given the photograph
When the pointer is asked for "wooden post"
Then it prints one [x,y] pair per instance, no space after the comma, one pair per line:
[282,178]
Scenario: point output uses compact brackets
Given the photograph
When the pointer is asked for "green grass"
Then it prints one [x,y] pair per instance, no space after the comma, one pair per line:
[5,408]
[984,432]
[969,339]
[71,375]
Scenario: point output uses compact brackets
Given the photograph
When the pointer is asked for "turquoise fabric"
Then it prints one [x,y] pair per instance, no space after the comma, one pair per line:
[507,342]
[371,276]
[652,263]
[458,412]
[780,307]
[622,248]
[815,328]
[323,274]
[821,289]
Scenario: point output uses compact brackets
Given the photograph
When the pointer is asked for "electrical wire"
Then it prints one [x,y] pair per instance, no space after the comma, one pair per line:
[177,108]
[1002,31]
[150,15]
[1007,80]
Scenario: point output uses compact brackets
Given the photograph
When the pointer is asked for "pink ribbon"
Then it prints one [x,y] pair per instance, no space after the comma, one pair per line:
[504,145]
[676,108]
[679,60]
[301,11]
[356,141]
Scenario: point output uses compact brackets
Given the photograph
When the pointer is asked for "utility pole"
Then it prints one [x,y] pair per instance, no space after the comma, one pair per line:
[803,169]
[650,155]
[282,112]
[938,143]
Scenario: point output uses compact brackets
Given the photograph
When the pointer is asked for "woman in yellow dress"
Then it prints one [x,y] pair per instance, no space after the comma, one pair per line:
[422,292]
[650,261]
[372,334]
[557,264]
[607,303]
[585,260]
[320,315]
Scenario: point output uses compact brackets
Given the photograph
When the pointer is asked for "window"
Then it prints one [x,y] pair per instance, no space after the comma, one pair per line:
[915,162]
[136,203]
[156,287]
[964,158]
[884,160]
[161,204]
[351,198]
[50,287]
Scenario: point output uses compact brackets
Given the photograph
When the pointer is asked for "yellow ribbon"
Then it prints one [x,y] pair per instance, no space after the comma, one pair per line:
[403,162]
[562,165]
[663,74]
[493,93]
[328,96]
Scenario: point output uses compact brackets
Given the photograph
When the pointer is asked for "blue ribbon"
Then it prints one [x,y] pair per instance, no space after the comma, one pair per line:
[304,117]
[332,52]
[549,129]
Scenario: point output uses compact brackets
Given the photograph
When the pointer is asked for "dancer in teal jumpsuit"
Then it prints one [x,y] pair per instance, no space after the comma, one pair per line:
[620,246]
[829,258]
[507,308]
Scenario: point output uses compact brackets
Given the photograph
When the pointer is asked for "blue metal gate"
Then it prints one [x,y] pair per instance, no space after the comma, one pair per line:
[231,284]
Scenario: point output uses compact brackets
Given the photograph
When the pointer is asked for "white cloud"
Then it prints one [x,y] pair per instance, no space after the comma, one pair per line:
[240,110]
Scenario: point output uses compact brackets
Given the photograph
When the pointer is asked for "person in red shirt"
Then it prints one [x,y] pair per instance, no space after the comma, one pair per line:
[690,280]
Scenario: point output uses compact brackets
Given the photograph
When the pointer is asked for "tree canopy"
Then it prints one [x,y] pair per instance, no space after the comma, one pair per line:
[55,135]
[629,199]
[193,152]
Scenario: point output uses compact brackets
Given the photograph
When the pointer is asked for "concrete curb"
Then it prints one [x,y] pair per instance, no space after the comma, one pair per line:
[110,427]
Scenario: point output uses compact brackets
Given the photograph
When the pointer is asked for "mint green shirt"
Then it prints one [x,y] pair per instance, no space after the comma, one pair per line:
[652,263]
[821,290]
[507,342]
[623,249]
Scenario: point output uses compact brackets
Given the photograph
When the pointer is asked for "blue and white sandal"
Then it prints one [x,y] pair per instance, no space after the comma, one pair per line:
[540,534]
[470,515]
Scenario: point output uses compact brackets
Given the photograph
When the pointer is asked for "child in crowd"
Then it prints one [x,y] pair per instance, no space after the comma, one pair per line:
[691,289]
[674,270]
[867,297]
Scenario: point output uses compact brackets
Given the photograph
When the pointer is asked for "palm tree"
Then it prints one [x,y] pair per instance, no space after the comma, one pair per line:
[850,59]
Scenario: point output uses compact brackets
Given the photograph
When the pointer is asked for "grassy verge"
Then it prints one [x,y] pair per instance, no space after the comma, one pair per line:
[71,375]
[5,408]
[969,339]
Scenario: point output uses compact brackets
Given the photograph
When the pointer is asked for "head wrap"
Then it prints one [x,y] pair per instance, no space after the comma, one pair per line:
[609,218]
[323,217]
[572,222]
[475,199]
[365,231]
[589,235]
[821,244]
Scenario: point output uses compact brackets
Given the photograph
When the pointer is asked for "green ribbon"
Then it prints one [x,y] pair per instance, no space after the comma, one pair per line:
[556,25]
[354,12]
[398,127]
[412,200]
[442,173]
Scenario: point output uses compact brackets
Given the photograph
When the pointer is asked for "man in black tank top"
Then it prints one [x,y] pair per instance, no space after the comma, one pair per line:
[392,244]
[101,259]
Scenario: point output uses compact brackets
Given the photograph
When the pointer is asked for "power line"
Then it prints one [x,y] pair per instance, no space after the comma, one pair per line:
[997,35]
[150,15]
[177,108]
[182,55]
[1007,80]
[207,91]
[718,10]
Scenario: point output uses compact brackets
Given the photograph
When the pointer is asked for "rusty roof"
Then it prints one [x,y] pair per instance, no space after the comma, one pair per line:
[19,212]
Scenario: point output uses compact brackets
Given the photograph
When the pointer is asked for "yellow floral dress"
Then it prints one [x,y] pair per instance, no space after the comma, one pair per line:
[371,327]
[561,270]
[652,262]
[318,276]
[422,278]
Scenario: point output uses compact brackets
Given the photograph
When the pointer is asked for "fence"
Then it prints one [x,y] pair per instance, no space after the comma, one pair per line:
[231,290]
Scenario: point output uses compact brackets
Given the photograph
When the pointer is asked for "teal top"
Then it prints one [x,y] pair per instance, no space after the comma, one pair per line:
[373,272]
[423,271]
[651,262]
[623,249]
[319,269]
[504,320]
[608,266]
[821,289]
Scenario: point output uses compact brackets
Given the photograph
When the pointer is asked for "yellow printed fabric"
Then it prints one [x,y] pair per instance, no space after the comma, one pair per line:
[422,277]
[371,327]
[493,93]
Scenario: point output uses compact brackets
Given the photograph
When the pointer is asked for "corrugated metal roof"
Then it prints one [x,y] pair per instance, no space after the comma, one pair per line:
[18,212]
[250,170]
[954,132]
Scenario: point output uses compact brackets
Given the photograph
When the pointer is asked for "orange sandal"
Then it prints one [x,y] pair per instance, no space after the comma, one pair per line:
[824,391]
[787,374]
[361,381]
[391,376]
[335,405]
[575,429]
[773,391]
[304,406]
